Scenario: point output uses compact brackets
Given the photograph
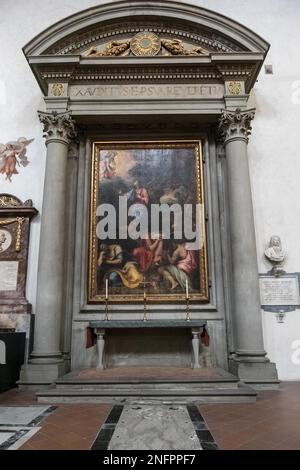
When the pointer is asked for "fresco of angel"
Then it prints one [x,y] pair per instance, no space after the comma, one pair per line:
[12,155]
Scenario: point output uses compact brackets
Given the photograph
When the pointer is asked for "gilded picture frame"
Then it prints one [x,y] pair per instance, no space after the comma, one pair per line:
[154,172]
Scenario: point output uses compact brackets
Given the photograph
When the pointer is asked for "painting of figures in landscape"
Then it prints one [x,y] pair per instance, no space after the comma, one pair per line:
[160,265]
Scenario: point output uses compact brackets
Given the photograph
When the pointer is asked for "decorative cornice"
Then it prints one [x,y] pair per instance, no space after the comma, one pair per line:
[12,210]
[235,124]
[129,73]
[58,127]
[229,71]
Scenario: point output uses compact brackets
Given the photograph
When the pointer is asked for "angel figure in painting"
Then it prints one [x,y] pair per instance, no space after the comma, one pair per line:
[13,154]
[108,166]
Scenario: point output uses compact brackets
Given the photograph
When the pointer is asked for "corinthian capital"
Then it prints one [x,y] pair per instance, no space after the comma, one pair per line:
[58,126]
[235,124]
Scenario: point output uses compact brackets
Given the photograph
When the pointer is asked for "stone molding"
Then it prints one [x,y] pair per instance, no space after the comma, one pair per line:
[107,18]
[235,124]
[58,127]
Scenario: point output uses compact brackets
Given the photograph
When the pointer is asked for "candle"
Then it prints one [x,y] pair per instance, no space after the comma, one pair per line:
[106,289]
[187,289]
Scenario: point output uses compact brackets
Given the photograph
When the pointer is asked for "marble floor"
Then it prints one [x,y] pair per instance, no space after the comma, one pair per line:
[157,427]
[18,424]
[154,427]
[272,423]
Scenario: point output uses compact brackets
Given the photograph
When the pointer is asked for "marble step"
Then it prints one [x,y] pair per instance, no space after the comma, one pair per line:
[242,393]
[140,385]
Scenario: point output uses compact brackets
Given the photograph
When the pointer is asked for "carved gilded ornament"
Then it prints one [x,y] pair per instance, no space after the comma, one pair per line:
[19,221]
[235,88]
[57,89]
[114,48]
[9,201]
[176,47]
[58,126]
[145,43]
[235,124]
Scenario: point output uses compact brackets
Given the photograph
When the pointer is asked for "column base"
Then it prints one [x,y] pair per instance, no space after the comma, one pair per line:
[260,375]
[40,375]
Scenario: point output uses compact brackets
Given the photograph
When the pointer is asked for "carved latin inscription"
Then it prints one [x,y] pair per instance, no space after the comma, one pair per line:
[8,275]
[150,92]
[279,291]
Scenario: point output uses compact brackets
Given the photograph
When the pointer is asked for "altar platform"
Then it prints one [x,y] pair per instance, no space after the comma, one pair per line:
[148,385]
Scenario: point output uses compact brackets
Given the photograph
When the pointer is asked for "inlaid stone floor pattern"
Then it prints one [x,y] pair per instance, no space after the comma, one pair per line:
[154,427]
[19,423]
[128,427]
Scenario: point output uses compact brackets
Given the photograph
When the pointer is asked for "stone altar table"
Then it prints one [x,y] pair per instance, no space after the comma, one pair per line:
[196,327]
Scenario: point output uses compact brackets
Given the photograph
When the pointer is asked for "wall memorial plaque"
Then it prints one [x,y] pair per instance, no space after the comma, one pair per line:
[8,275]
[279,291]
[15,218]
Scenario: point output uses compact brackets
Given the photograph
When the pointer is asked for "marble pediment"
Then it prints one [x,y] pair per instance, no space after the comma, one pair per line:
[146,42]
[171,39]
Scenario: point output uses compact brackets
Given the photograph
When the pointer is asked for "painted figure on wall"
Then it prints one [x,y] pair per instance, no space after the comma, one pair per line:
[145,176]
[13,154]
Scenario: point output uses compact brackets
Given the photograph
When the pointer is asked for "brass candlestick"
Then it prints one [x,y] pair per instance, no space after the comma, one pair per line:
[106,300]
[187,316]
[145,302]
[145,310]
[106,310]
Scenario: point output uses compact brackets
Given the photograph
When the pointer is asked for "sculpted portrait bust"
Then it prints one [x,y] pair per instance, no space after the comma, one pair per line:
[274,251]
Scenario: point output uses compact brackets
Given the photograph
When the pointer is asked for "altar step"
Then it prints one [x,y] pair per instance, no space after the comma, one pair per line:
[241,394]
[72,389]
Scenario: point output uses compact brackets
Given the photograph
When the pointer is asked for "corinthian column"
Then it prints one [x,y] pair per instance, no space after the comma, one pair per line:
[46,362]
[249,361]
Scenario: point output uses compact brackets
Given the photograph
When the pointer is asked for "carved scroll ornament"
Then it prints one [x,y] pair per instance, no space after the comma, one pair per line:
[176,47]
[114,48]
[146,44]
